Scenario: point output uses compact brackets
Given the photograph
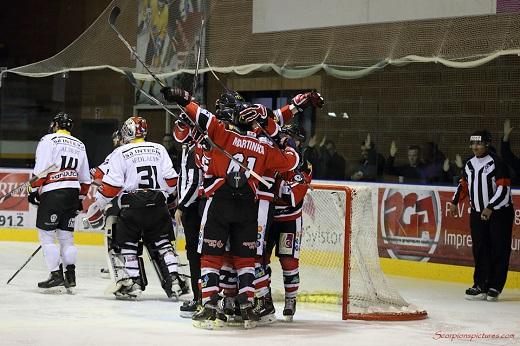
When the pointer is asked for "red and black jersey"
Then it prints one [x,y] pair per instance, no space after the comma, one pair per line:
[290,191]
[257,154]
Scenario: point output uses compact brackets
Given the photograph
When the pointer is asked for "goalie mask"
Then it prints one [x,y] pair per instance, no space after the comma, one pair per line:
[134,127]
[61,121]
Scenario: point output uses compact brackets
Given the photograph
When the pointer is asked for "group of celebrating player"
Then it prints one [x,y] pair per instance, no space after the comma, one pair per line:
[238,195]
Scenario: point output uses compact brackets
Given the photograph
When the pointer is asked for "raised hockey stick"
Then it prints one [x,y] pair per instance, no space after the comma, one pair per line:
[112,21]
[132,81]
[195,78]
[23,265]
[42,174]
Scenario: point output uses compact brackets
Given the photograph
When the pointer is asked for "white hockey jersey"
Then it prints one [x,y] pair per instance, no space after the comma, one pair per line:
[69,155]
[138,166]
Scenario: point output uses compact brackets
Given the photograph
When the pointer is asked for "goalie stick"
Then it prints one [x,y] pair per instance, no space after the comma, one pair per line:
[40,175]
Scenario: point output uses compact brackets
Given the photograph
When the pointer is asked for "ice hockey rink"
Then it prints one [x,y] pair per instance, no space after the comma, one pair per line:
[89,317]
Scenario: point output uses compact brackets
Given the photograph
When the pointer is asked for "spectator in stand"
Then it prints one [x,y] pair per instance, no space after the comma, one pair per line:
[371,164]
[452,170]
[312,154]
[169,143]
[507,155]
[334,163]
[326,162]
[411,172]
[433,163]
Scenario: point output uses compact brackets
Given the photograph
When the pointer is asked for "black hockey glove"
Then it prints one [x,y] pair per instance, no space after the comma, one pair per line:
[179,96]
[34,198]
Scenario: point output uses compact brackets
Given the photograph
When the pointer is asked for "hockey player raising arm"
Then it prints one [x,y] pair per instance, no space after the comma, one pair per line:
[141,175]
[231,210]
[59,197]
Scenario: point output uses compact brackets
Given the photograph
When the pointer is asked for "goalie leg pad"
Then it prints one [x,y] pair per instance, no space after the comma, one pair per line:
[165,262]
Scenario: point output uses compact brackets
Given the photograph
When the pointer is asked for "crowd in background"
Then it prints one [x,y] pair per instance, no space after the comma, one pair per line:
[425,163]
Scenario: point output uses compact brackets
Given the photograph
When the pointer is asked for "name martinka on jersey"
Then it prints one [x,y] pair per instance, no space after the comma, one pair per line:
[249,145]
[142,154]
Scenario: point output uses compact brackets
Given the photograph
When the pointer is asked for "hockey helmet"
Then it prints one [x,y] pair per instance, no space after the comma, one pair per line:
[482,136]
[62,121]
[133,128]
[229,105]
[116,138]
[295,131]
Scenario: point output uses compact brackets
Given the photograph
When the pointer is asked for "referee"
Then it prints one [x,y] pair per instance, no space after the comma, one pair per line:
[486,180]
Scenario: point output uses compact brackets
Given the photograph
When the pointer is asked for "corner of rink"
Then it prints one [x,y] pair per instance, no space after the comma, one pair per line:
[89,317]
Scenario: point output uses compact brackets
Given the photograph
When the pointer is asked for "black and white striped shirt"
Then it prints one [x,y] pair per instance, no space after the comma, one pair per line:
[486,180]
[189,178]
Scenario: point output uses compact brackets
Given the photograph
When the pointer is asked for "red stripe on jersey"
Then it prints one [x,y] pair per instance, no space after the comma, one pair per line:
[98,174]
[108,190]
[38,183]
[503,182]
[84,189]
[464,192]
[171,182]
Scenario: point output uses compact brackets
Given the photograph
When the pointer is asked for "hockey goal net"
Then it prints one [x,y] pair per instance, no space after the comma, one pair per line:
[339,260]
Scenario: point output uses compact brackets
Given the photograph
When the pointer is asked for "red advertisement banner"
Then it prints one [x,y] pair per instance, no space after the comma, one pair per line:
[414,224]
[8,182]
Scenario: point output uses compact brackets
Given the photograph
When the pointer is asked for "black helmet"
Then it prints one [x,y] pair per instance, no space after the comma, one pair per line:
[296,131]
[229,105]
[483,136]
[63,121]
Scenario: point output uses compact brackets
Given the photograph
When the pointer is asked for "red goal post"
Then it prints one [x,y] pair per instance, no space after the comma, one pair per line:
[340,220]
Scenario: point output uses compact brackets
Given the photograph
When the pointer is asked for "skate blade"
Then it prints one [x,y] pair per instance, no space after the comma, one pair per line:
[208,324]
[187,314]
[481,296]
[492,299]
[113,288]
[267,319]
[248,324]
[127,297]
[53,290]
[288,318]
[71,290]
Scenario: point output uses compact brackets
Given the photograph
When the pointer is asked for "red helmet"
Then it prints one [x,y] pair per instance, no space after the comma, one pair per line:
[134,127]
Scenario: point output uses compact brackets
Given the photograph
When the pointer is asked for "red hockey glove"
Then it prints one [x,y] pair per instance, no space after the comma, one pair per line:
[302,101]
[256,113]
[95,216]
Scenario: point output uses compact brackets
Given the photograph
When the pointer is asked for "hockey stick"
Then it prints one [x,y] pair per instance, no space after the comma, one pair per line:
[132,81]
[40,175]
[112,21]
[195,78]
[23,265]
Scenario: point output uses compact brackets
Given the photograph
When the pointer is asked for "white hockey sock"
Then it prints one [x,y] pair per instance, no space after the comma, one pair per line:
[68,251]
[50,249]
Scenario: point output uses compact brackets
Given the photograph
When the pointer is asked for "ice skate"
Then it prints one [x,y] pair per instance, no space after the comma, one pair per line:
[189,308]
[210,316]
[264,308]
[54,284]
[289,309]
[475,293]
[249,316]
[492,295]
[129,289]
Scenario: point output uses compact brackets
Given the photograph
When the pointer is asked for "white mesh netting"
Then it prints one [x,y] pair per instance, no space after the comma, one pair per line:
[322,255]
[167,32]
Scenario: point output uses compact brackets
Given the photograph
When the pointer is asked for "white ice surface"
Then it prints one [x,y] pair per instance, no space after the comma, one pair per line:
[28,317]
